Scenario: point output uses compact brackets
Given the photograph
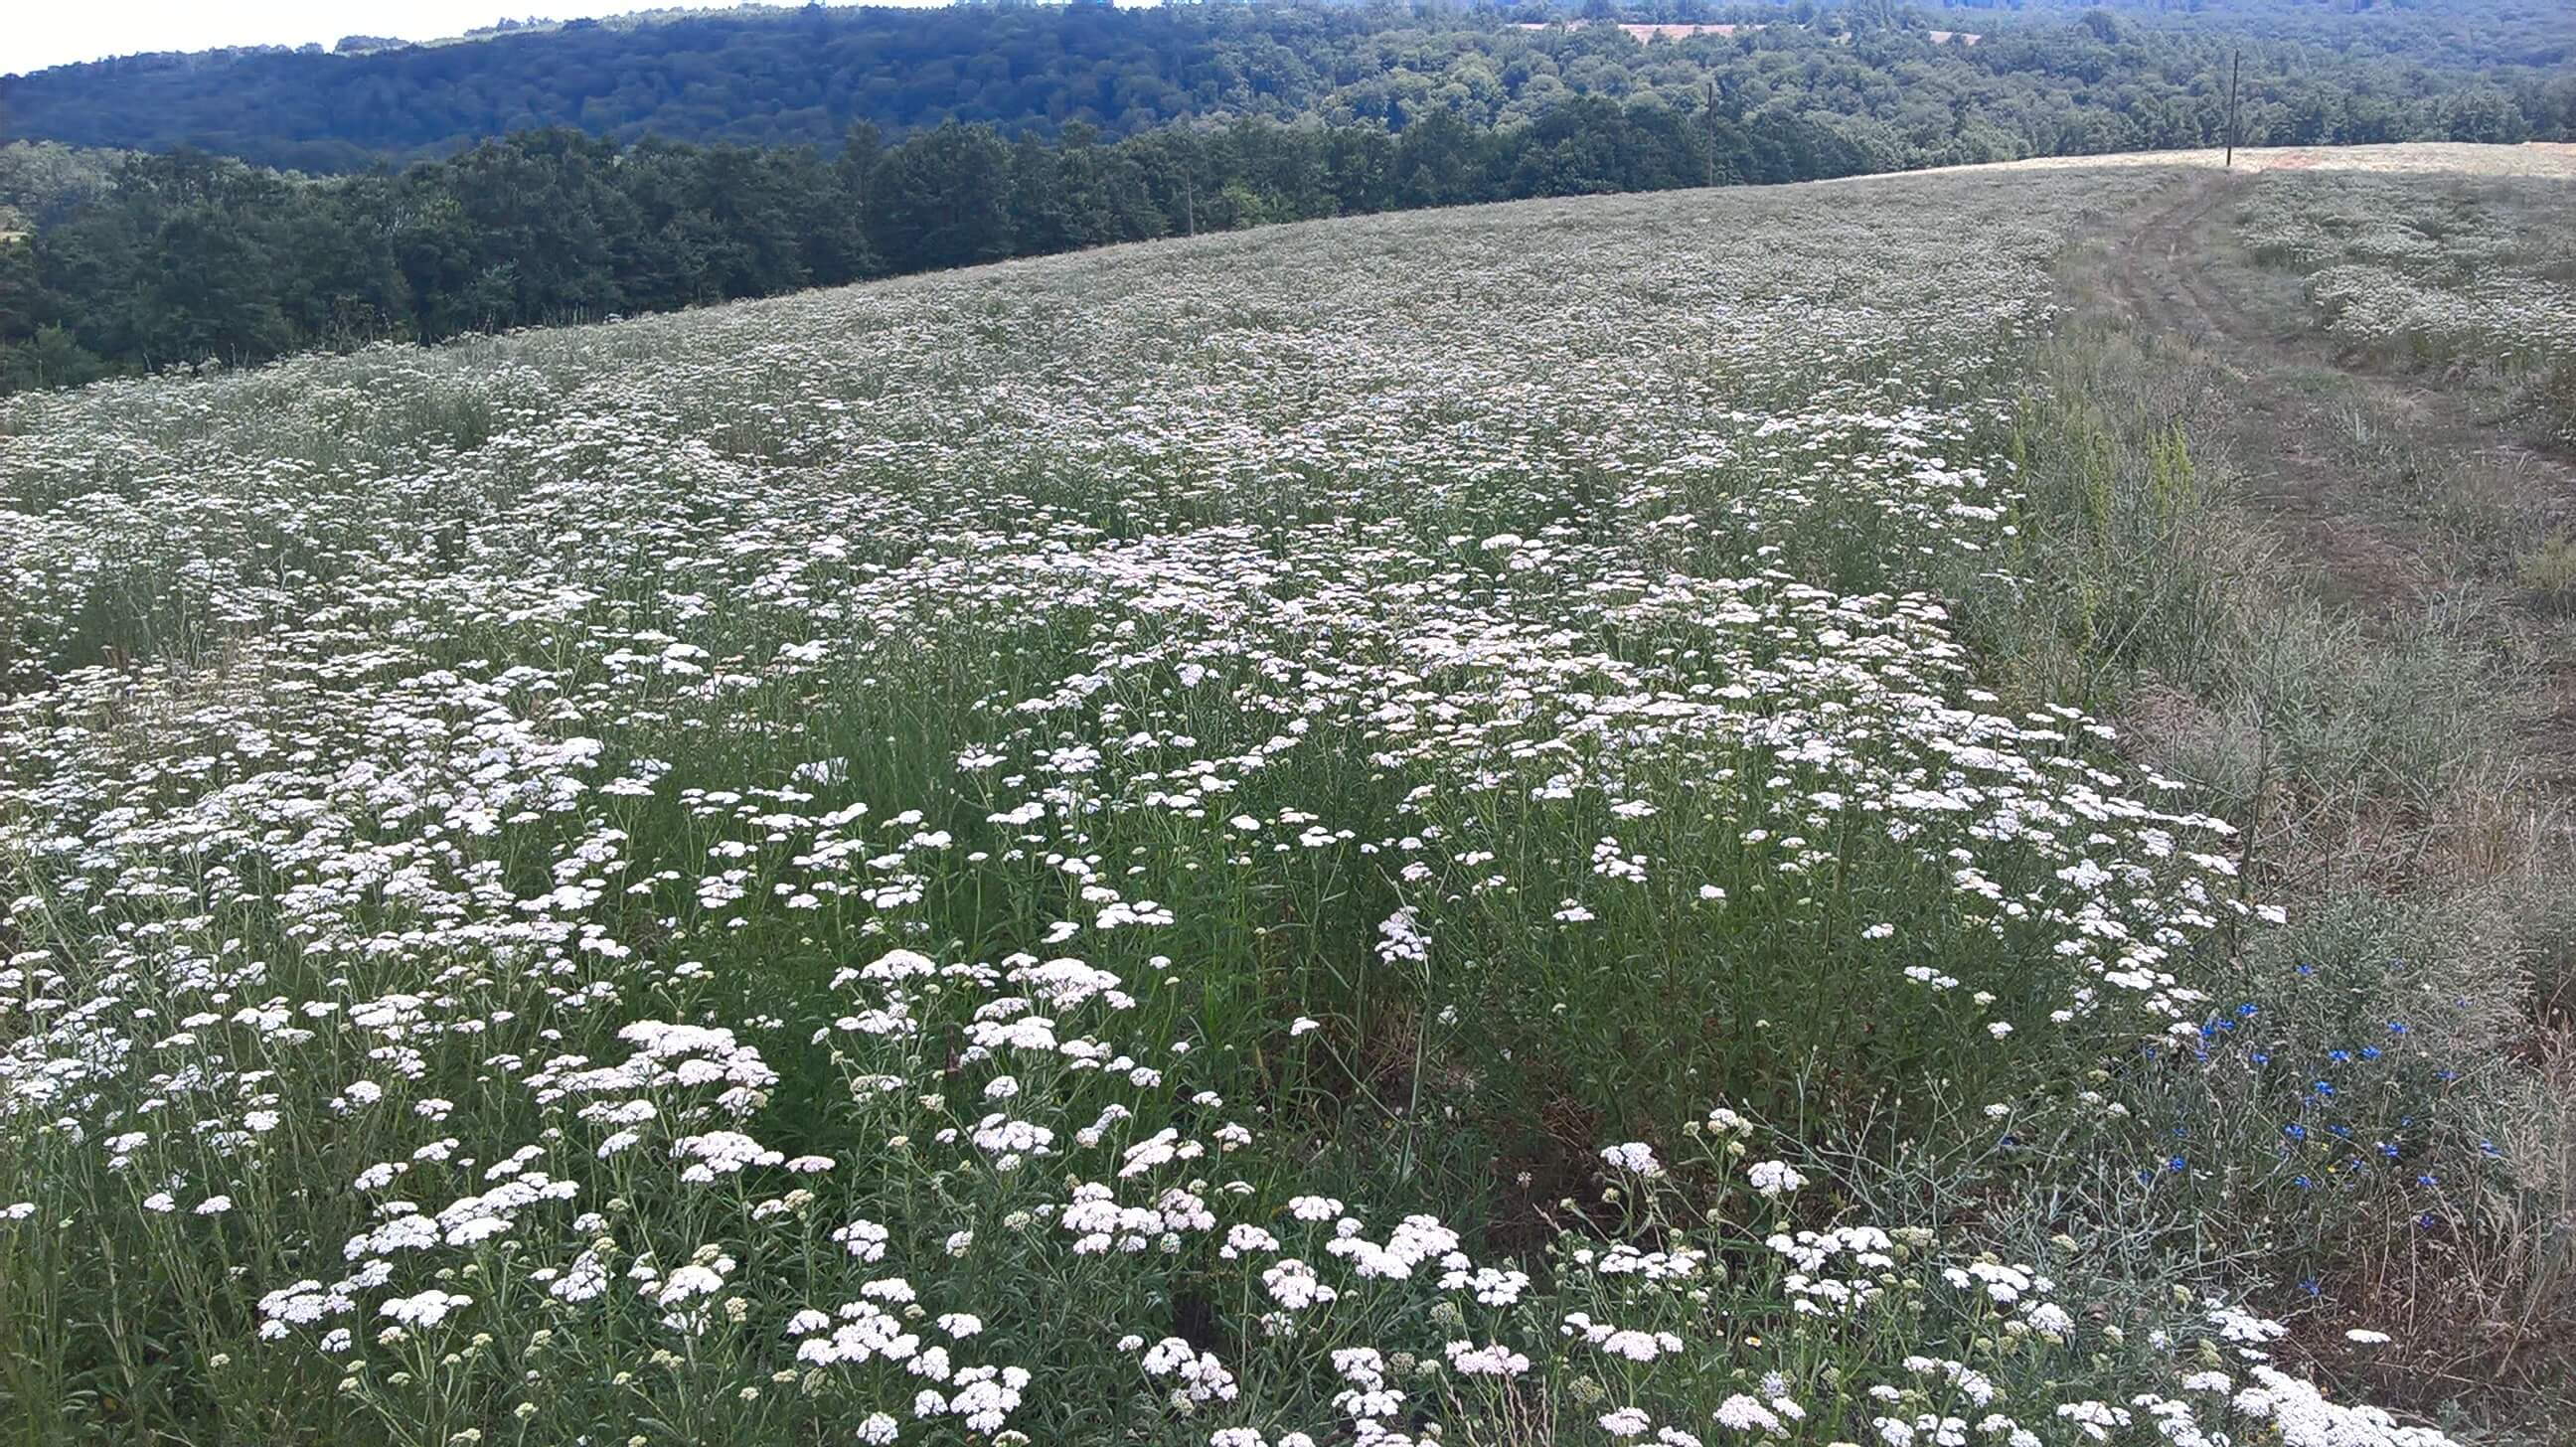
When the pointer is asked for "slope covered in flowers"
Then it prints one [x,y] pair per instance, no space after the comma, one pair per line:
[1375,832]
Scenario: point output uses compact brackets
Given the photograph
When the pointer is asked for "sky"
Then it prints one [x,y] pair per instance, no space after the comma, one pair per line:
[38,33]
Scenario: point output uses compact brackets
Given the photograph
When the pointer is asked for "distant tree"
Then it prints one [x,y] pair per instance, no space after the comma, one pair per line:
[210,294]
[804,77]
[942,198]
[2485,113]
[1359,169]
[22,303]
[49,357]
[1436,162]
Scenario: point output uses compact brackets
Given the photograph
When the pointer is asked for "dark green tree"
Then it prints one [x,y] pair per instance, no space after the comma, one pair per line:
[942,198]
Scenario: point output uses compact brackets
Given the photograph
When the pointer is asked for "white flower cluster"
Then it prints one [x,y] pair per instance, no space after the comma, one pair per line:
[803,868]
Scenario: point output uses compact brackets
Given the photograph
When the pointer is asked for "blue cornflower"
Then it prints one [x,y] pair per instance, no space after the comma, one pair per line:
[2245,1011]
[2323,1087]
[2387,1150]
[2295,1131]
[2396,1028]
[2340,1057]
[2302,1182]
[2177,1163]
[2370,1052]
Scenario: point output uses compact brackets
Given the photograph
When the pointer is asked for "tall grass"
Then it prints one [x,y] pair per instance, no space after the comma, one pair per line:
[2372,1108]
[1153,848]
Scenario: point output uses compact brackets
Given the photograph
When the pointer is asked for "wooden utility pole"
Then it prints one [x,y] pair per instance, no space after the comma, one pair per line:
[1710,116]
[2235,70]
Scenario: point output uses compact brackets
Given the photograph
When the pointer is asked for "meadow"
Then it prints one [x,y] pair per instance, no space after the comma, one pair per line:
[1437,828]
[2469,281]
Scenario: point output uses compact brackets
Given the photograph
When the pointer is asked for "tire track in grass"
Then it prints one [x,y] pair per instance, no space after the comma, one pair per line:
[2161,276]
[2369,548]
[2292,393]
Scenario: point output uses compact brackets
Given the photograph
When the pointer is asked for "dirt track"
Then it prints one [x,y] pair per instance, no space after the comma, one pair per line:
[2175,274]
[2164,283]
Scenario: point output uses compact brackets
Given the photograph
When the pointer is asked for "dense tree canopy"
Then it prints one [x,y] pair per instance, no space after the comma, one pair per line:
[608,168]
[2042,77]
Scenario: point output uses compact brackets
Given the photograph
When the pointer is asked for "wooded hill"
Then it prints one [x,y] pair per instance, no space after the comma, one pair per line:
[2040,78]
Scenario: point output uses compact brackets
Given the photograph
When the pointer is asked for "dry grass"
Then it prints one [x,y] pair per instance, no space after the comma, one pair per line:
[2534,158]
[2375,695]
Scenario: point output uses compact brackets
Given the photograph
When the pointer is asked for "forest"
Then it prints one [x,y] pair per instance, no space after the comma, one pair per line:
[116,261]
[186,257]
[2036,80]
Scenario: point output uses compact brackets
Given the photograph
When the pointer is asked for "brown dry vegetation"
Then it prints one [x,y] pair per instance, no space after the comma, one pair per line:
[2354,637]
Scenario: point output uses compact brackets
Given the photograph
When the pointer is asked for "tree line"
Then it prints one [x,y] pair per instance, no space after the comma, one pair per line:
[2043,77]
[186,257]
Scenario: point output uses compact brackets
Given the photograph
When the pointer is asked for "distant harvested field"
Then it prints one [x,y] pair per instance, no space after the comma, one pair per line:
[1646,32]
[2533,158]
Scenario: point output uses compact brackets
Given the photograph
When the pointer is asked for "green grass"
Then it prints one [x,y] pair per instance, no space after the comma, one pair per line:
[1076,765]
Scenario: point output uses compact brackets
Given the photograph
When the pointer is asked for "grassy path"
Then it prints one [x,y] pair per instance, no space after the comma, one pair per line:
[2394,704]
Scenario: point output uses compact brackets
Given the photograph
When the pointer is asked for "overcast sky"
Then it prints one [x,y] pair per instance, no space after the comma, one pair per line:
[38,33]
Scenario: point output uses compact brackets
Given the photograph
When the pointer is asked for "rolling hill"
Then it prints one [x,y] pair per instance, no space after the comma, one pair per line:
[2048,80]
[1769,815]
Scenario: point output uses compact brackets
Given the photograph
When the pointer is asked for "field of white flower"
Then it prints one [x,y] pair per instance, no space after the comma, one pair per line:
[2465,287]
[2465,277]
[1379,832]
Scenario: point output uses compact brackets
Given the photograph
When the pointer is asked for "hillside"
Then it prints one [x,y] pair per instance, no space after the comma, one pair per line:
[1755,815]
[2048,79]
